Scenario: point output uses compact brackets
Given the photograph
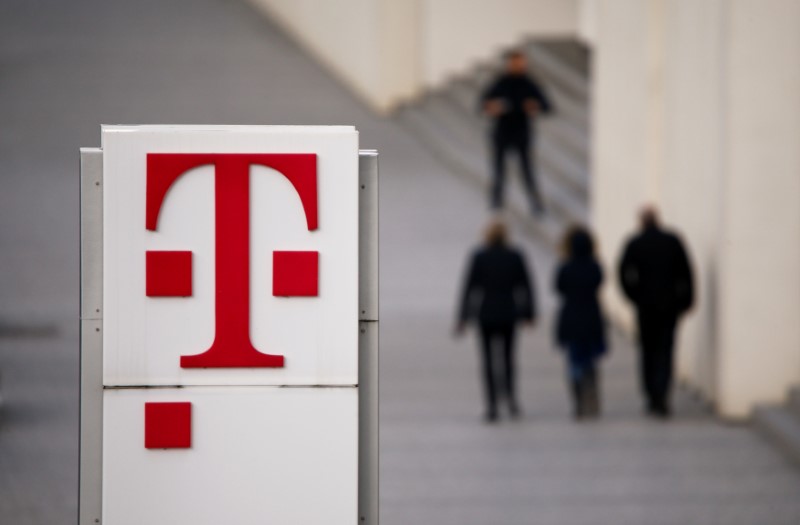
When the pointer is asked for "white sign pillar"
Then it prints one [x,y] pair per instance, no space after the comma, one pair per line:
[229,326]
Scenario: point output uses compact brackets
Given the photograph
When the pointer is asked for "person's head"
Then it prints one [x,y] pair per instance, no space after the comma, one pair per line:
[516,62]
[648,217]
[496,233]
[578,243]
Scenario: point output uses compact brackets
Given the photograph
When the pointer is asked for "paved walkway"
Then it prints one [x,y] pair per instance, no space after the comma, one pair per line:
[67,67]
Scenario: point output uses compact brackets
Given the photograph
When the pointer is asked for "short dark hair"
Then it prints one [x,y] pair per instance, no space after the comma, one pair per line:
[496,233]
[514,53]
[648,216]
[577,242]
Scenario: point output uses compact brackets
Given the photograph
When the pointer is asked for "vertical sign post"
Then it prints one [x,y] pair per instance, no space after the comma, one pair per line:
[229,326]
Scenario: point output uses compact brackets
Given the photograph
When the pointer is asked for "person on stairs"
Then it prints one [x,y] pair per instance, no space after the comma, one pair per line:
[498,294]
[580,328]
[656,277]
[513,101]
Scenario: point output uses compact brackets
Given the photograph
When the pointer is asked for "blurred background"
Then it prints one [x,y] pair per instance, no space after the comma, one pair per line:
[693,106]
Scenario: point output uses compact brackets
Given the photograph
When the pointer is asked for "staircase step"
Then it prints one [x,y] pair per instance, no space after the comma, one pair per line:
[554,177]
[782,427]
[451,126]
[554,131]
[573,139]
[472,159]
[555,156]
[472,164]
[467,92]
[571,80]
[570,52]
[552,63]
[794,401]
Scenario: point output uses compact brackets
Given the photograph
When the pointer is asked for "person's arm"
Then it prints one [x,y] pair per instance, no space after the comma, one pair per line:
[537,101]
[561,280]
[491,101]
[526,289]
[684,281]
[629,273]
[600,275]
[470,288]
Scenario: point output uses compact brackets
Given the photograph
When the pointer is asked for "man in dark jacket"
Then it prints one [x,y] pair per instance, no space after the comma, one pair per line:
[498,292]
[512,101]
[656,276]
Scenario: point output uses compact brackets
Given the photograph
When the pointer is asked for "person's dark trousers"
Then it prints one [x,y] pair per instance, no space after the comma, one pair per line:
[521,145]
[497,352]
[584,380]
[657,336]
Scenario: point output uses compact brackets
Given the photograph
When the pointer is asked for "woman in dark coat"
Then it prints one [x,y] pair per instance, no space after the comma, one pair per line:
[580,328]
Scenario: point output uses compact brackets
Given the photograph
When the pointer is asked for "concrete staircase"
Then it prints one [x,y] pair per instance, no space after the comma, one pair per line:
[447,121]
[781,425]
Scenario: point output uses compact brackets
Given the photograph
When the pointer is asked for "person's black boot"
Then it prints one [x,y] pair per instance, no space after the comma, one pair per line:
[592,394]
[577,399]
[661,410]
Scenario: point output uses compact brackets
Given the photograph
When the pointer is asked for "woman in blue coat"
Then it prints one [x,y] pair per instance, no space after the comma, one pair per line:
[580,328]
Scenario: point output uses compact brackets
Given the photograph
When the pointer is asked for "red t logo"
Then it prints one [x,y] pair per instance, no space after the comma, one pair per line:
[169,273]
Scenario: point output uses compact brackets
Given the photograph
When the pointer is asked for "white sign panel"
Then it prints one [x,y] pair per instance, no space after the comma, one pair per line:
[230,329]
[258,455]
[301,187]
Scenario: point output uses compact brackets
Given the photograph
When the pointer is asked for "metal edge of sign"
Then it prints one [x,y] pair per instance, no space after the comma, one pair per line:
[368,354]
[90,499]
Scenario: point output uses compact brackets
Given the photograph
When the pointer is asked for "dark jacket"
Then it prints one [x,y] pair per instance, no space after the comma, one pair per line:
[578,281]
[498,290]
[513,91]
[655,272]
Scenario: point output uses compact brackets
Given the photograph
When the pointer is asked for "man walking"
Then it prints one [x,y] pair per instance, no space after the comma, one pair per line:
[498,292]
[656,276]
[513,100]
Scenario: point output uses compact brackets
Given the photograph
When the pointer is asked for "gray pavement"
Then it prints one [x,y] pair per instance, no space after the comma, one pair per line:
[67,67]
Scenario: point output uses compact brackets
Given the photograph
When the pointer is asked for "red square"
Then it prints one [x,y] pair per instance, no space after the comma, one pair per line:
[295,274]
[168,425]
[169,274]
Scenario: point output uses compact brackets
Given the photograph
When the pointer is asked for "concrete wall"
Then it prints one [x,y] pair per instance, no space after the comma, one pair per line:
[693,177]
[587,21]
[457,34]
[760,248]
[697,110]
[370,45]
[387,51]
[622,110]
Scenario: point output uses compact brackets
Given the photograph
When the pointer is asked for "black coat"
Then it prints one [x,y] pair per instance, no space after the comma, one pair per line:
[498,290]
[580,320]
[655,272]
[513,91]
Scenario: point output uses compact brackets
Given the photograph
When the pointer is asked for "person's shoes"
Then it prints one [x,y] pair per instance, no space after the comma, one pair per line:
[513,409]
[490,417]
[591,397]
[663,412]
[658,411]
